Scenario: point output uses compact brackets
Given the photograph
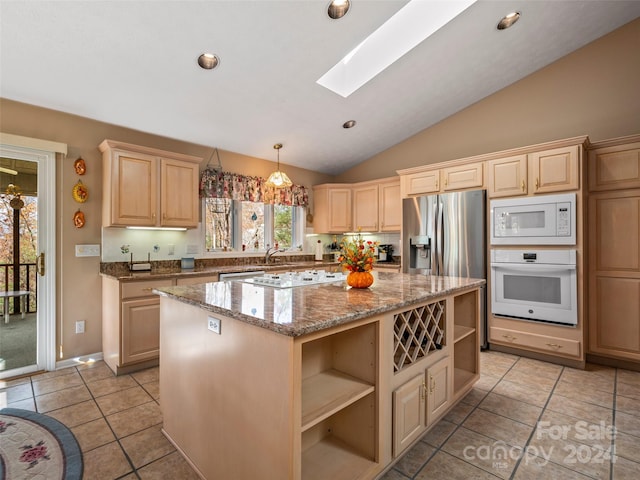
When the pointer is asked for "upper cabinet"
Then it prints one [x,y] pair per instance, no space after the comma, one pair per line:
[148,187]
[420,183]
[462,177]
[555,170]
[332,204]
[390,205]
[507,177]
[614,167]
[373,206]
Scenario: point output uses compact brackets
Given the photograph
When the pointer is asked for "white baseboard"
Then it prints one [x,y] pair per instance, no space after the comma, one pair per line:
[74,362]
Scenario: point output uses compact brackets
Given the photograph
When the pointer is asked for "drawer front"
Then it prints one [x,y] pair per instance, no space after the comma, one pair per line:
[544,343]
[143,288]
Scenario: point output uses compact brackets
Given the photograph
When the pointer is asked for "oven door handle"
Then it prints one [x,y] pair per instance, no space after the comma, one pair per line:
[532,267]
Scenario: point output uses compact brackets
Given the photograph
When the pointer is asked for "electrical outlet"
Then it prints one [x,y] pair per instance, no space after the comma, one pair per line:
[191,249]
[171,249]
[214,324]
[80,326]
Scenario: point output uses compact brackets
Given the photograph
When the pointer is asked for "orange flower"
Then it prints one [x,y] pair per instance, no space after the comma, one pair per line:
[354,256]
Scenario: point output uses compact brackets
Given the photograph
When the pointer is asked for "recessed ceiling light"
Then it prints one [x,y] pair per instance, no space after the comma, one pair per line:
[338,8]
[349,124]
[208,61]
[508,20]
[407,28]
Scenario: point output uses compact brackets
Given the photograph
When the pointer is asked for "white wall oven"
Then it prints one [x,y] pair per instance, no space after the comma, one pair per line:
[538,285]
[539,220]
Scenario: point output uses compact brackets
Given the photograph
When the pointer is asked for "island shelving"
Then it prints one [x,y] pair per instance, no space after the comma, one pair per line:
[311,397]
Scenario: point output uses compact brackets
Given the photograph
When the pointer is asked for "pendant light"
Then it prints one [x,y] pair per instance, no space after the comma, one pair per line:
[279,179]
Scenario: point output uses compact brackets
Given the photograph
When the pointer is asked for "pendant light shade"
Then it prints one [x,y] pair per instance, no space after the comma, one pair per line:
[279,179]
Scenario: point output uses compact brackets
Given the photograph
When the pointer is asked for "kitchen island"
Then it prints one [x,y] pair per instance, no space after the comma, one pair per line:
[312,382]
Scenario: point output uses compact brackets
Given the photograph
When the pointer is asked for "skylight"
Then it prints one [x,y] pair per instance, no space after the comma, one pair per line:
[413,23]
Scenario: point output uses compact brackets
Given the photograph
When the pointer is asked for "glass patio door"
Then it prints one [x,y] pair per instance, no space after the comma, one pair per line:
[26,343]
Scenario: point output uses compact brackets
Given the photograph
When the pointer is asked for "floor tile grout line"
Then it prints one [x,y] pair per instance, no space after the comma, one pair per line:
[535,427]
[458,426]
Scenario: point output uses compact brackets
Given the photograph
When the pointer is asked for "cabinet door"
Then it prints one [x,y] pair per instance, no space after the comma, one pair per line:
[614,167]
[140,330]
[614,279]
[135,181]
[390,209]
[507,177]
[365,208]
[439,389]
[554,170]
[463,176]
[408,413]
[179,193]
[339,210]
[420,183]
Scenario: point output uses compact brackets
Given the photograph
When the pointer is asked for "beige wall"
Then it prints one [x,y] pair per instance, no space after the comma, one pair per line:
[593,91]
[78,284]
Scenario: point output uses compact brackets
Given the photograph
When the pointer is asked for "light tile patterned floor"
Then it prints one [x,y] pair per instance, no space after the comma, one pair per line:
[551,421]
[527,420]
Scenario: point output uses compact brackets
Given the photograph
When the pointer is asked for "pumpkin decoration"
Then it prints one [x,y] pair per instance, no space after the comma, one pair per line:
[356,256]
[359,279]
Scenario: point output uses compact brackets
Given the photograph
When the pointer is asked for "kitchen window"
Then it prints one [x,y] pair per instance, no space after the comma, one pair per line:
[232,224]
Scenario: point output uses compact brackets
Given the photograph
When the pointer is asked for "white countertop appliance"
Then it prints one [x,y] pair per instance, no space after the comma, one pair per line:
[536,285]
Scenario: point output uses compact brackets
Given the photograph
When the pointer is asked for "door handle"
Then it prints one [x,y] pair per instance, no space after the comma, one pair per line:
[40,264]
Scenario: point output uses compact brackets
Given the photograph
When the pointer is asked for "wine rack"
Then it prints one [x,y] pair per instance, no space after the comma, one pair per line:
[417,332]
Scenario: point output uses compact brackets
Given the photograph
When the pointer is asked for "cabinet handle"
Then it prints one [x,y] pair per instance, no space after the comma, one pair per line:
[537,183]
[148,289]
[554,345]
[509,337]
[423,390]
[446,182]
[522,185]
[436,184]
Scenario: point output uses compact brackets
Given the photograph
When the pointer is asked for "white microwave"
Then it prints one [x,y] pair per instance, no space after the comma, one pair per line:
[539,220]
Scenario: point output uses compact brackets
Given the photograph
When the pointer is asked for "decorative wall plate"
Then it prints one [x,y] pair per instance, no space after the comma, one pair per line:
[80,192]
[78,219]
[80,166]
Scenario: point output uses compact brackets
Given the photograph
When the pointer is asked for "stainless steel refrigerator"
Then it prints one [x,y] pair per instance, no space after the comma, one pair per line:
[445,235]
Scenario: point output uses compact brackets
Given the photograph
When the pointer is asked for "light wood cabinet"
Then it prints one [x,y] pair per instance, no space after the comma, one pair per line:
[614,168]
[462,177]
[148,187]
[542,343]
[554,170]
[439,389]
[366,208]
[332,208]
[507,177]
[420,183]
[546,171]
[390,210]
[614,274]
[131,323]
[409,413]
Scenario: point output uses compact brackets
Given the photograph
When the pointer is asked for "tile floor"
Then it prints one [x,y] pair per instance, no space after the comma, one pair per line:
[552,422]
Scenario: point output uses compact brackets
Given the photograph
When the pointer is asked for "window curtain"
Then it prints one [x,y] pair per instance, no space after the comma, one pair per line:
[218,184]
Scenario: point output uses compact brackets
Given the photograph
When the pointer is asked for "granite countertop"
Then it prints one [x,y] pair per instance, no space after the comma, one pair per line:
[302,310]
[121,271]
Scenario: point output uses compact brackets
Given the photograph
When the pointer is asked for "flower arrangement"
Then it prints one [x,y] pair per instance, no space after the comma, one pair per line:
[357,255]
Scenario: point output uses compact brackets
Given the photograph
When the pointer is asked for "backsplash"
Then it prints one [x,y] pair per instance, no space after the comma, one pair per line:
[119,244]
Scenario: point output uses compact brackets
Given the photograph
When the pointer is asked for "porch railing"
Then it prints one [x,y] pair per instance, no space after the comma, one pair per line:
[28,278]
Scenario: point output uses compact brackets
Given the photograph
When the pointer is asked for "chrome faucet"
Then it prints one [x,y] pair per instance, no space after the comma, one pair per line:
[270,252]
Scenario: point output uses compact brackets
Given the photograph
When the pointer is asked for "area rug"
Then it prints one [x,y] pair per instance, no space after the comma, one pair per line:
[35,446]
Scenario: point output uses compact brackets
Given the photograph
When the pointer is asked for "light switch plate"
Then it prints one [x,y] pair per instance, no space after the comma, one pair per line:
[214,324]
[87,250]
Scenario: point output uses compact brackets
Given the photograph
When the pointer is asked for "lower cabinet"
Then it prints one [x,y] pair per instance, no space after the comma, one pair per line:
[131,323]
[419,403]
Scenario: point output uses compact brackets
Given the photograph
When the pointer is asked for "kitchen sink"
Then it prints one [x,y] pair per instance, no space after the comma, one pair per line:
[295,279]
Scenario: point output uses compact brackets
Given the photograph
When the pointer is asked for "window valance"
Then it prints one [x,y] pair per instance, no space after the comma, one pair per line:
[218,184]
